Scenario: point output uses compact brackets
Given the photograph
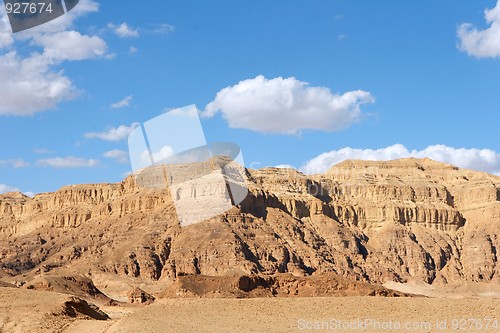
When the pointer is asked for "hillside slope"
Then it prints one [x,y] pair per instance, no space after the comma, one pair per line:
[402,220]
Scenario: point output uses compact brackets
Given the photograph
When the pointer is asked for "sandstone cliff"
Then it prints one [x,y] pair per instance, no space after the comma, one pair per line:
[410,219]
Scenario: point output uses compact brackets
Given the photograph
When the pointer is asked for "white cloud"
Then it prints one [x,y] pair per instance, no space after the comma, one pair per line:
[15,163]
[71,45]
[113,134]
[123,30]
[32,84]
[482,43]
[285,166]
[286,106]
[6,36]
[163,153]
[67,162]
[123,103]
[6,189]
[119,156]
[476,159]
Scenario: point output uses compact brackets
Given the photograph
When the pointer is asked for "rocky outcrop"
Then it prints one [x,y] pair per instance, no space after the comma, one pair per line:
[75,307]
[401,220]
[139,296]
[279,285]
[79,286]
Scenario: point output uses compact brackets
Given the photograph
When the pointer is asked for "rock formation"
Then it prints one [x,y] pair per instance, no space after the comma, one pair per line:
[403,220]
[139,296]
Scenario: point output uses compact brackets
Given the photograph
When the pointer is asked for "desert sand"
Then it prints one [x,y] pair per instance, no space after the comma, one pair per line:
[294,315]
[37,311]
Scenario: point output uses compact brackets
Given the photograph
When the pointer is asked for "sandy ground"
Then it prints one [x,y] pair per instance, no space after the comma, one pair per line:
[29,311]
[482,290]
[306,314]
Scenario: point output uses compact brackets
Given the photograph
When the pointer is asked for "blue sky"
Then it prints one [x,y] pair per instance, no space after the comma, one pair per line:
[309,83]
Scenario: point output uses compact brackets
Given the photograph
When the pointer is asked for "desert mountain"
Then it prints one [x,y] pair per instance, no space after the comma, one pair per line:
[402,220]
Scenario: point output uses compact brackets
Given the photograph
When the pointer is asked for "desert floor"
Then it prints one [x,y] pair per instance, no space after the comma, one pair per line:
[31,311]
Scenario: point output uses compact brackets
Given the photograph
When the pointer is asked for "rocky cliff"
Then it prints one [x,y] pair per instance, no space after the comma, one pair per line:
[410,219]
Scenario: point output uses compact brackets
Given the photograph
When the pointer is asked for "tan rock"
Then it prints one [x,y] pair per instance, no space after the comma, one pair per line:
[401,220]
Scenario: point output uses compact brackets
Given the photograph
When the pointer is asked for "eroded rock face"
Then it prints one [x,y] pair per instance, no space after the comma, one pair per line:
[278,285]
[139,296]
[370,221]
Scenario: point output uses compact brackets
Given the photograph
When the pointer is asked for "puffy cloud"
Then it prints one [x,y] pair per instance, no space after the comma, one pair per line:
[6,189]
[477,159]
[67,162]
[114,134]
[6,36]
[32,84]
[123,103]
[71,45]
[123,30]
[286,106]
[119,156]
[482,43]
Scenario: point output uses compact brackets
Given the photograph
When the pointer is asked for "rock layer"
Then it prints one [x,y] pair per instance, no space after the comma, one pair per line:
[401,220]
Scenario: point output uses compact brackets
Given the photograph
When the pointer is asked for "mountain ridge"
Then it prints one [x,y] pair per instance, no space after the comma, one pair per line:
[404,220]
